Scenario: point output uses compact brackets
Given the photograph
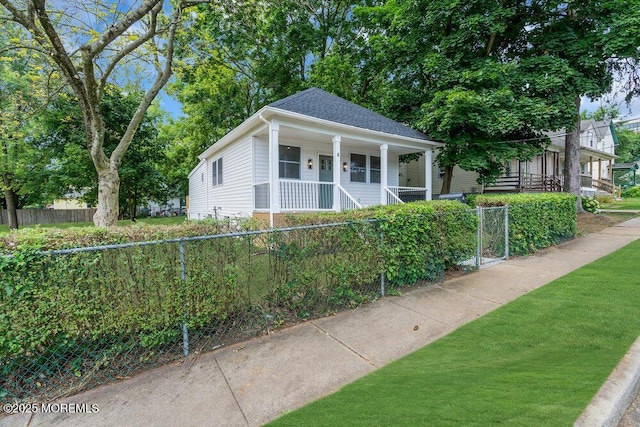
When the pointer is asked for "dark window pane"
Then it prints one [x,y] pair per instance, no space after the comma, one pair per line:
[290,154]
[289,162]
[358,168]
[220,171]
[375,169]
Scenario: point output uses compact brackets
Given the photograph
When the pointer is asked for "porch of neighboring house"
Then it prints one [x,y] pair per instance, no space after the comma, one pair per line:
[545,173]
[316,172]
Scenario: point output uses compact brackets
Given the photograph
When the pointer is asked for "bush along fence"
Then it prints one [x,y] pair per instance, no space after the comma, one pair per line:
[536,220]
[74,318]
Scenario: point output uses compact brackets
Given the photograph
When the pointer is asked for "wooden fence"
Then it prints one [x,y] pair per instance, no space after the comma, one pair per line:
[49,216]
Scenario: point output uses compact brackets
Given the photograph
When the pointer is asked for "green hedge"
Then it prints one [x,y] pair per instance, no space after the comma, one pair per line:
[536,220]
[420,239]
[66,318]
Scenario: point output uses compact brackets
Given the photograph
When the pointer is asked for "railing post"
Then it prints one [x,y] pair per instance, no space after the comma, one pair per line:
[183,277]
[506,232]
[479,236]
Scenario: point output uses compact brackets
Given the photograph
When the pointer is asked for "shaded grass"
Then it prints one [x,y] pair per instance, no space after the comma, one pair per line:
[538,360]
[626,203]
[4,228]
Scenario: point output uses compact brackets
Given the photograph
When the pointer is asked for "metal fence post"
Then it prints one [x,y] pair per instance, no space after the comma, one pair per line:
[506,232]
[382,274]
[479,236]
[183,277]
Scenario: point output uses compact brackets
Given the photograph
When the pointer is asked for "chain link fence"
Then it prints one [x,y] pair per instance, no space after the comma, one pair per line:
[88,316]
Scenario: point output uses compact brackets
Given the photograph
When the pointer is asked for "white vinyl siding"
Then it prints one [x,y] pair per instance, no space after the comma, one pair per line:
[261,160]
[198,192]
[235,197]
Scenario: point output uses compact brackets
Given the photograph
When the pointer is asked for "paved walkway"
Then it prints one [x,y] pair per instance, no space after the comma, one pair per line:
[253,382]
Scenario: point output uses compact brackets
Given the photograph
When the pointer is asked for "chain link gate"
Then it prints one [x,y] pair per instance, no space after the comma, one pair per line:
[493,235]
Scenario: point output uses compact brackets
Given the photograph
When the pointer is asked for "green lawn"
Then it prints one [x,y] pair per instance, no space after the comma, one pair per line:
[537,361]
[627,203]
[4,228]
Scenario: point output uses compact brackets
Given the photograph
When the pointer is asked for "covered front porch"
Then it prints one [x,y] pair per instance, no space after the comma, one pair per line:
[545,173]
[302,168]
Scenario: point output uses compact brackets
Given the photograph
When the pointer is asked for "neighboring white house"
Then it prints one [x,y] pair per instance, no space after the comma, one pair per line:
[544,172]
[311,151]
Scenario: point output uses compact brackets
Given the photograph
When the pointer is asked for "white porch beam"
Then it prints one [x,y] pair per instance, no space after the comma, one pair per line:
[274,170]
[384,148]
[428,164]
[337,168]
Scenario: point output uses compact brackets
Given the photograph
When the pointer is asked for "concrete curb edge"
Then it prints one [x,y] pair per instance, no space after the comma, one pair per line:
[614,397]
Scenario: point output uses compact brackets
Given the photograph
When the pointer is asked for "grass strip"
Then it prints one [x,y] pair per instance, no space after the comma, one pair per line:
[536,361]
[626,203]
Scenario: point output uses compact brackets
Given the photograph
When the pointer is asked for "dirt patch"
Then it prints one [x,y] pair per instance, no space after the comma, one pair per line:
[592,223]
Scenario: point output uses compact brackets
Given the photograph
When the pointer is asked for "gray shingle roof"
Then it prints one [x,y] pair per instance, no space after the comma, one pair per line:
[315,102]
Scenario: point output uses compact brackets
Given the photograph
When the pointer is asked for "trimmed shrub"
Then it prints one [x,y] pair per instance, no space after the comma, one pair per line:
[49,238]
[536,220]
[590,204]
[632,192]
[420,239]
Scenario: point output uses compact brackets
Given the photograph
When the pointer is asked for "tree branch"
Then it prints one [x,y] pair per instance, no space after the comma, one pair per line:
[161,80]
[118,29]
[131,47]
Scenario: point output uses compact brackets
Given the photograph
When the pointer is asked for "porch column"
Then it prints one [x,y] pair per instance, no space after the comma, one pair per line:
[599,168]
[337,170]
[610,171]
[384,148]
[274,170]
[428,164]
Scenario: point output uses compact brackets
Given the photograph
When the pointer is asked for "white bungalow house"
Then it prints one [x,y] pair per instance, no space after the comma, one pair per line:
[311,151]
[542,173]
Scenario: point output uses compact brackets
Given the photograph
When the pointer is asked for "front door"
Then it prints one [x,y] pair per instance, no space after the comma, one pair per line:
[325,193]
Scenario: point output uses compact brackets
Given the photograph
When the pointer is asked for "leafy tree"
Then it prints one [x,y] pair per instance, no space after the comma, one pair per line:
[603,112]
[594,41]
[628,148]
[450,73]
[92,44]
[241,56]
[140,178]
[25,83]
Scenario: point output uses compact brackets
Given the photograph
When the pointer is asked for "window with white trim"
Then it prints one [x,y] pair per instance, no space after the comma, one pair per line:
[289,162]
[216,172]
[358,168]
[374,169]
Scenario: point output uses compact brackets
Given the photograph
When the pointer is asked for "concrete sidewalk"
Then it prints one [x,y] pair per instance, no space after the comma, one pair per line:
[254,382]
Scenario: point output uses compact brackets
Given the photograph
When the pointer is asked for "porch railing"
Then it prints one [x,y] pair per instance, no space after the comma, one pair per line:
[405,194]
[607,186]
[303,196]
[347,202]
[525,182]
[306,195]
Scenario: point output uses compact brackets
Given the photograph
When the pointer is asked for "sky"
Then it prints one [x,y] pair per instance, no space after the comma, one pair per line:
[626,112]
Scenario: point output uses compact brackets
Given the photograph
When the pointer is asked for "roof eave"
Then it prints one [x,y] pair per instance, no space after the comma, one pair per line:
[355,129]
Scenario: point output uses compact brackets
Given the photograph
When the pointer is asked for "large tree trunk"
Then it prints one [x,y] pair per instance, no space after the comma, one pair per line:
[572,159]
[11,198]
[446,181]
[108,191]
